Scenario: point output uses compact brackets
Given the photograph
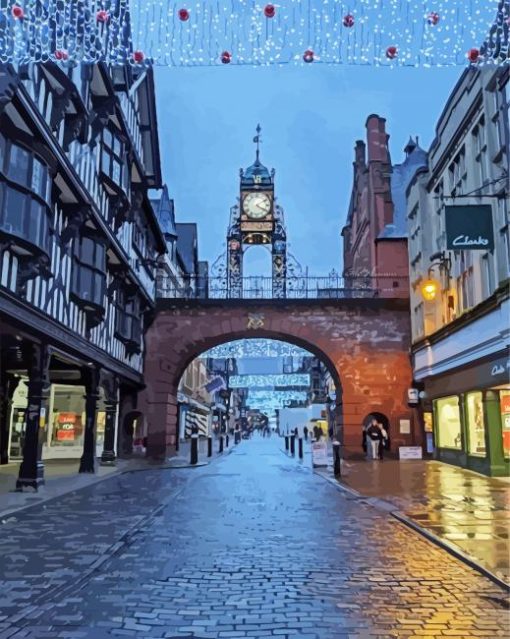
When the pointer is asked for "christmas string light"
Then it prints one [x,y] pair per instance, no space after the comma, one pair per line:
[255,348]
[269,381]
[240,32]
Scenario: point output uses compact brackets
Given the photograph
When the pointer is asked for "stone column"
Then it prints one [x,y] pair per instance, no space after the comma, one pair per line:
[111,406]
[8,384]
[31,472]
[88,459]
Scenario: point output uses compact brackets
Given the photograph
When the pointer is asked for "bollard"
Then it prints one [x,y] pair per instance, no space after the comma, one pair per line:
[336,459]
[226,440]
[194,449]
[221,444]
[300,447]
[286,442]
[292,445]
[209,446]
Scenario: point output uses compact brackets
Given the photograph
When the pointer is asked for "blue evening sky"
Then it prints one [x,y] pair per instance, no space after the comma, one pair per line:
[311,117]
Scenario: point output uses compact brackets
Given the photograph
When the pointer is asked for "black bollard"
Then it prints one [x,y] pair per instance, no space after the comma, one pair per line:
[209,446]
[300,447]
[336,459]
[292,445]
[226,440]
[286,442]
[194,449]
[221,444]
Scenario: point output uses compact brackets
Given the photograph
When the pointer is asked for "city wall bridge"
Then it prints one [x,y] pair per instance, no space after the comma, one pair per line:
[360,330]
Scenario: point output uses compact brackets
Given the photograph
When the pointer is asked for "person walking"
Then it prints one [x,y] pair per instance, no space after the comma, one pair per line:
[374,439]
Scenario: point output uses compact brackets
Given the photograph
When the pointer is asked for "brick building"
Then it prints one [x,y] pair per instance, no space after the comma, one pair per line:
[375,233]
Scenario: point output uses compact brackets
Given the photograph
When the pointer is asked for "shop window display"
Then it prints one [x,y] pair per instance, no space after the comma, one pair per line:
[448,422]
[475,424]
[504,403]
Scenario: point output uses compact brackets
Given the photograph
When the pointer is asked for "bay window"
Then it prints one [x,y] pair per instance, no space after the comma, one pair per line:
[89,273]
[25,198]
[128,326]
[112,162]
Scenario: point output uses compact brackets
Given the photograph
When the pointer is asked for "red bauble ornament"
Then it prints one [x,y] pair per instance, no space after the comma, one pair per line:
[226,57]
[17,12]
[102,16]
[269,11]
[183,15]
[308,56]
[391,52]
[433,18]
[473,54]
[348,20]
[138,56]
[61,54]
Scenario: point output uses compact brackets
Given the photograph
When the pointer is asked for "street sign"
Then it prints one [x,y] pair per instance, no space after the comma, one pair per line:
[469,228]
[410,452]
[319,454]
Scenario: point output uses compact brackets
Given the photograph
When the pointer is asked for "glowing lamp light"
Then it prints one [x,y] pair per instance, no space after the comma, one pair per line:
[61,54]
[429,289]
[433,18]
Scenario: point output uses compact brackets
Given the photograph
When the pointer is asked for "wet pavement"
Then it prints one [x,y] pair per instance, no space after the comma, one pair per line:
[467,510]
[253,545]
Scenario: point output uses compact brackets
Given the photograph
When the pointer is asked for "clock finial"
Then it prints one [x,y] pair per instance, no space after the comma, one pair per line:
[257,141]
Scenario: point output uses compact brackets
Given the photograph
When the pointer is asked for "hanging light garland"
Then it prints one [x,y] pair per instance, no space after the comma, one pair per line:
[255,348]
[202,32]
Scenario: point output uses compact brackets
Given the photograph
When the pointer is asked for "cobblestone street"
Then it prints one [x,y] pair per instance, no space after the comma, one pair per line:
[253,545]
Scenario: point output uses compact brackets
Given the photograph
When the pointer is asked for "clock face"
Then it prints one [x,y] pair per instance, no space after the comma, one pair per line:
[257,205]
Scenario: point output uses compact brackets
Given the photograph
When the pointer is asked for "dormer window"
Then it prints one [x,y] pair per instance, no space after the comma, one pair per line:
[89,275]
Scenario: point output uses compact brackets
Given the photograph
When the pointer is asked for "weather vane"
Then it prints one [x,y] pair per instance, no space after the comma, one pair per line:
[257,140]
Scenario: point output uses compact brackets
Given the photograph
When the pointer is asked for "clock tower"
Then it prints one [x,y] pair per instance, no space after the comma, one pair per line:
[256,220]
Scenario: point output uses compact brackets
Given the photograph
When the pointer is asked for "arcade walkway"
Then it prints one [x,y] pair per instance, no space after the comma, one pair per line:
[253,545]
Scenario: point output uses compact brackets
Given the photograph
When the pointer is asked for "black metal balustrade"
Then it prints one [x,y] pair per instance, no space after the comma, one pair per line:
[296,287]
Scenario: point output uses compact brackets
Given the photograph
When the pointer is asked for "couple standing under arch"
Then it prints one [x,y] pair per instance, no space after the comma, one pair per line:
[375,436]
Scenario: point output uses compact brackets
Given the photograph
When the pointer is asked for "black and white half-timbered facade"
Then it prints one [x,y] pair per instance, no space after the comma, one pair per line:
[79,243]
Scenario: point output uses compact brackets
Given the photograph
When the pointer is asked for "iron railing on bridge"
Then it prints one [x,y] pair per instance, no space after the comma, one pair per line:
[294,287]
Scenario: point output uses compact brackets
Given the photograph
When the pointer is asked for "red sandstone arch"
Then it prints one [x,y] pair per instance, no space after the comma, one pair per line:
[364,342]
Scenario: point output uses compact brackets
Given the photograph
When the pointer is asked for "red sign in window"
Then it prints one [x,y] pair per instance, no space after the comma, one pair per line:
[505,404]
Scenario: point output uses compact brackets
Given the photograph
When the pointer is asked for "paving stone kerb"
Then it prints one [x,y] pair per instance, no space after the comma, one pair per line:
[364,342]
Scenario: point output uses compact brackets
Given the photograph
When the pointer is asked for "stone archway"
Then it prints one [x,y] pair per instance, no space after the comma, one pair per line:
[364,342]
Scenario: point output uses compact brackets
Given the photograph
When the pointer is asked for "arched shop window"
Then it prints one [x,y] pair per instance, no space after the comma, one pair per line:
[25,196]
[89,272]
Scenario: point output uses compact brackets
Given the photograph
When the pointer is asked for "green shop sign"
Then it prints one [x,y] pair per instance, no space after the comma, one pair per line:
[469,228]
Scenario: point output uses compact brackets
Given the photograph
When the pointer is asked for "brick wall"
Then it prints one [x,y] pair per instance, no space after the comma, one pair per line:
[365,343]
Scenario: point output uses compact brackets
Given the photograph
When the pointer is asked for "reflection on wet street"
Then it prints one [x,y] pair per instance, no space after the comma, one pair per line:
[468,510]
[253,545]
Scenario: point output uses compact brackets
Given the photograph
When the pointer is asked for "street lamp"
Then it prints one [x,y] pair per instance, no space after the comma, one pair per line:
[431,286]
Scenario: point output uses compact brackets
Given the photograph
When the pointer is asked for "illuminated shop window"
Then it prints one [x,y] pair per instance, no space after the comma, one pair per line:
[504,402]
[448,422]
[475,424]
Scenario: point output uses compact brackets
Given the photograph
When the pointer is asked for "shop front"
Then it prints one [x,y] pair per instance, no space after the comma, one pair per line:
[468,411]
[62,430]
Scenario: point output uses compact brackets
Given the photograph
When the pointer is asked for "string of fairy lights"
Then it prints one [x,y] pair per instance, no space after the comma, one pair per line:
[255,32]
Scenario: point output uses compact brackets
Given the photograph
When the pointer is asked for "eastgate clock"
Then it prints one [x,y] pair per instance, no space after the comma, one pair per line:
[257,205]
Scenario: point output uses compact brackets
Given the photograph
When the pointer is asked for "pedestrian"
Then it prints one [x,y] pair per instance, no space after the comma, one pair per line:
[305,431]
[384,440]
[375,439]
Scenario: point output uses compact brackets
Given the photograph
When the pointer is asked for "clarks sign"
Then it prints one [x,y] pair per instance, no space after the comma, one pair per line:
[469,228]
